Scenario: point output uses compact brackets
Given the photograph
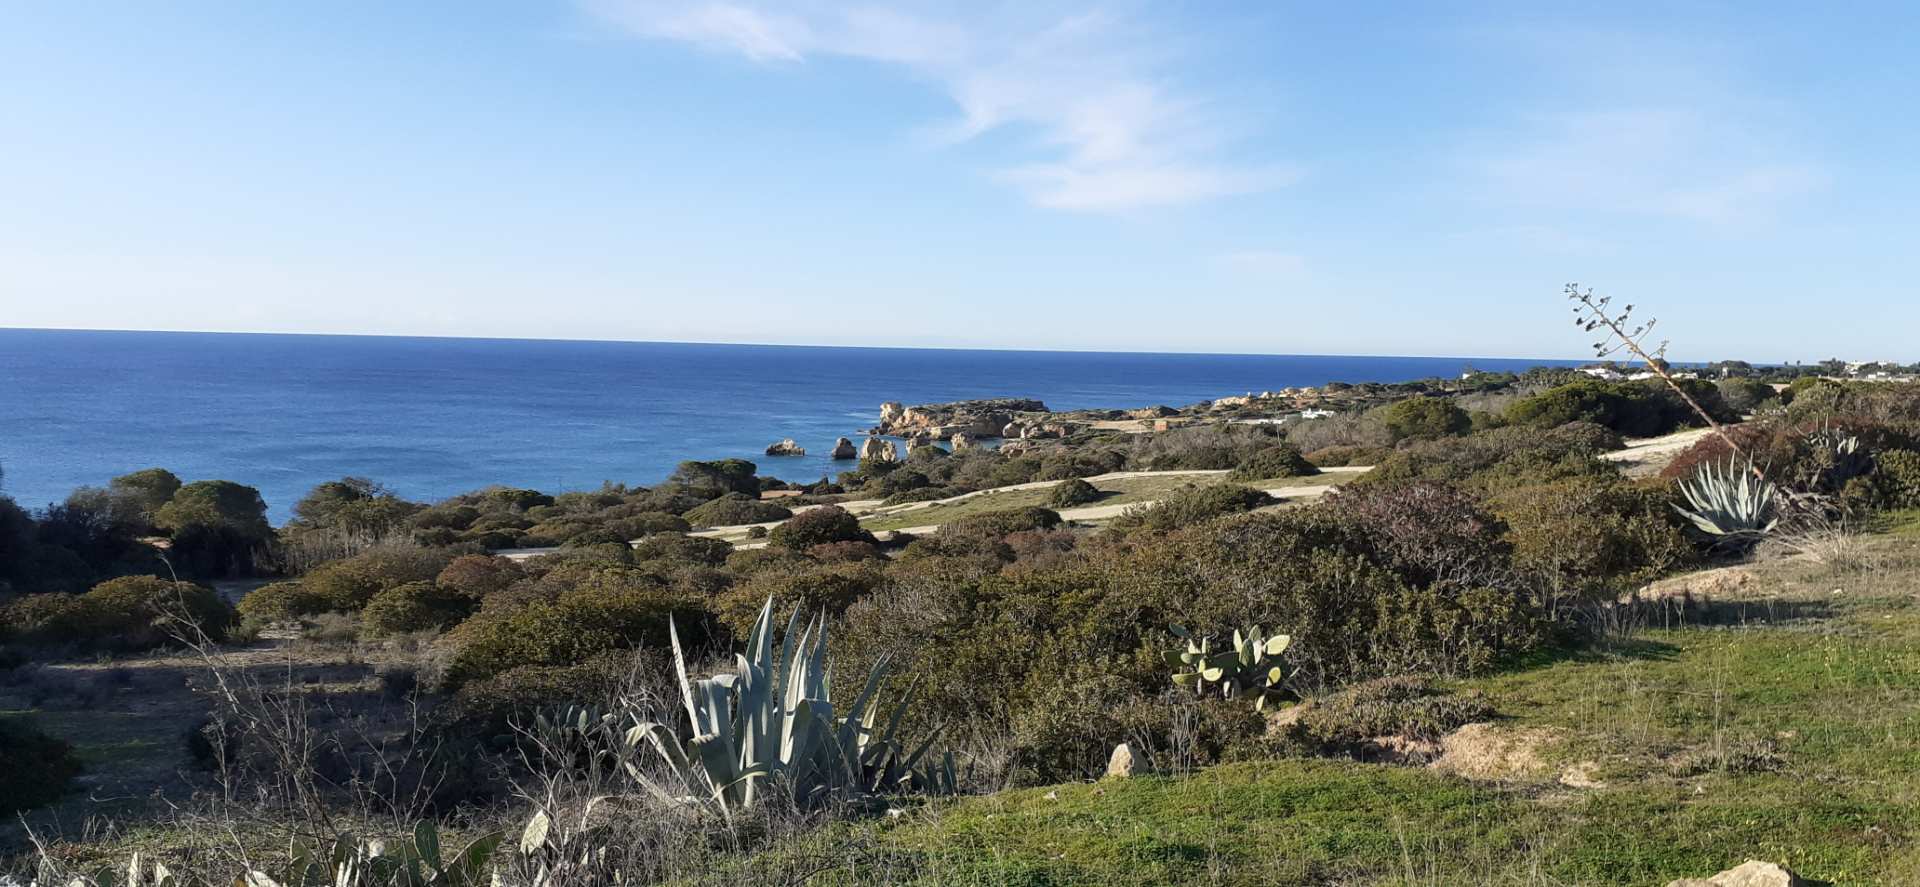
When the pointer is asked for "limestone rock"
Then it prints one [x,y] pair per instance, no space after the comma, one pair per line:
[1752,873]
[844,449]
[979,418]
[786,448]
[1122,763]
[963,441]
[879,449]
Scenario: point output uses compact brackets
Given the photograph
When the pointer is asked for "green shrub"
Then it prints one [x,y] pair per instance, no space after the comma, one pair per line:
[1071,492]
[1404,706]
[681,548]
[1072,725]
[614,608]
[1189,506]
[486,709]
[141,612]
[477,575]
[818,526]
[920,494]
[734,509]
[39,768]
[1636,409]
[1000,523]
[346,585]
[281,602]
[1199,447]
[1745,395]
[1499,459]
[1895,481]
[1425,418]
[415,606]
[826,589]
[1594,535]
[1279,460]
[1352,606]
[1335,457]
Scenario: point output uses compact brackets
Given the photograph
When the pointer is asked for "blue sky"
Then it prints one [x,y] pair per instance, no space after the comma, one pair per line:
[1257,177]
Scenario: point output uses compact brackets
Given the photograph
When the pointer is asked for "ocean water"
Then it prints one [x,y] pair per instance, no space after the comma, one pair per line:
[434,417]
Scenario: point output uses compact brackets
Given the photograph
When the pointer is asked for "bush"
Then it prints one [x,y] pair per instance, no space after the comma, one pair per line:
[818,526]
[1198,447]
[1426,532]
[346,585]
[1635,409]
[1404,706]
[487,709]
[1744,395]
[1352,613]
[1796,454]
[1894,482]
[1335,457]
[827,589]
[734,509]
[1279,460]
[680,548]
[1425,418]
[1189,506]
[140,612]
[43,619]
[281,602]
[613,608]
[415,606]
[1594,536]
[1499,459]
[1000,523]
[710,480]
[1071,492]
[39,768]
[477,575]
[920,494]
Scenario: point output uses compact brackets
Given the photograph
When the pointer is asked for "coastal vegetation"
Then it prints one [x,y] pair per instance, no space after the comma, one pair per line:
[1444,635]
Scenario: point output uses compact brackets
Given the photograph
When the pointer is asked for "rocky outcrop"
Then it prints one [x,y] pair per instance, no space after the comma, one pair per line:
[786,448]
[879,449]
[1752,873]
[844,449]
[1122,763]
[977,418]
[963,441]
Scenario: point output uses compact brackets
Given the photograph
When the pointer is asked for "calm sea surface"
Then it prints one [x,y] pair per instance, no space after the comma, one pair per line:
[434,417]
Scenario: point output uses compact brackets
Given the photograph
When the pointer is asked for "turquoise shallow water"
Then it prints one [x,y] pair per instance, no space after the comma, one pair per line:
[433,417]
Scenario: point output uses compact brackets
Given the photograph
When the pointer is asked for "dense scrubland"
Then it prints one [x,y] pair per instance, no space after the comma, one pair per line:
[1500,664]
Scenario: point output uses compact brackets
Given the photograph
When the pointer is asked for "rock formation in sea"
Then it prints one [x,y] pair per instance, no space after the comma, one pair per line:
[786,448]
[979,418]
[879,449]
[844,449]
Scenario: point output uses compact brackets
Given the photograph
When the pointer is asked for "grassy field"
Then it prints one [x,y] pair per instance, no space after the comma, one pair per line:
[1783,725]
[1119,491]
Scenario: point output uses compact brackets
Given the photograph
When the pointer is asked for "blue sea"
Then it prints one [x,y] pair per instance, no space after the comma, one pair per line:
[433,417]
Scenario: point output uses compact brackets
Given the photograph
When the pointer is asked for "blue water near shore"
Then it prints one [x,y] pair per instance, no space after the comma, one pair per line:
[434,417]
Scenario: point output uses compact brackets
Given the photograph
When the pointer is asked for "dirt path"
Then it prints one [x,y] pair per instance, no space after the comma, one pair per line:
[1647,456]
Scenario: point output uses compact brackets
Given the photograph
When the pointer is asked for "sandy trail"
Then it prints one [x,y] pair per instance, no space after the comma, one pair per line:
[1648,455]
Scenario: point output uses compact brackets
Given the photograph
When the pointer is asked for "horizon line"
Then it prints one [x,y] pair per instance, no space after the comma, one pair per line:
[816,345]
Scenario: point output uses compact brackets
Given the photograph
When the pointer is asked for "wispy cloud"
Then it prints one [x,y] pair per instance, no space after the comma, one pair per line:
[1111,132]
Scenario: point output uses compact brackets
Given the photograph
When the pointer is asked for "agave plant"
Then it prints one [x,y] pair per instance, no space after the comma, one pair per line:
[1729,502]
[774,719]
[1247,668]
